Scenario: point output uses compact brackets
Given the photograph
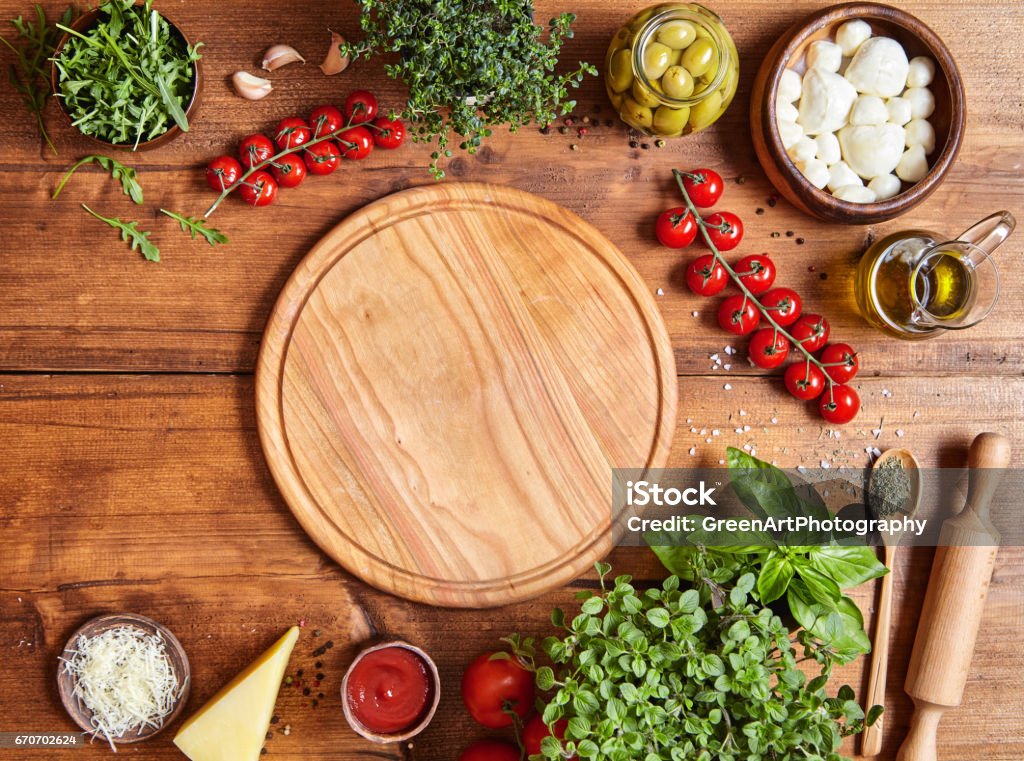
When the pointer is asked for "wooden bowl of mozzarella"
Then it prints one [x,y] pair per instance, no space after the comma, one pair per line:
[786,163]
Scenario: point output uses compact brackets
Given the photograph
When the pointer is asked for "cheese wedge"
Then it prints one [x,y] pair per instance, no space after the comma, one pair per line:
[233,725]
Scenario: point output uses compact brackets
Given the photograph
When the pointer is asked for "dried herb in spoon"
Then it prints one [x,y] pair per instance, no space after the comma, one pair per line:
[889,488]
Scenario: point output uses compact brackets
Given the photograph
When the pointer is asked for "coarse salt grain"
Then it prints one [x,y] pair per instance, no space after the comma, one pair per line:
[899,433]
[693,451]
[727,387]
[660,292]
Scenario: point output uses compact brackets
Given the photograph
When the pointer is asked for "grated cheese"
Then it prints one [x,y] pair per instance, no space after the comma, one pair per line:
[124,677]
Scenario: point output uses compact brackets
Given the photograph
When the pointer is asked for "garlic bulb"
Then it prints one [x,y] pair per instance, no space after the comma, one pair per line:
[280,55]
[334,61]
[251,87]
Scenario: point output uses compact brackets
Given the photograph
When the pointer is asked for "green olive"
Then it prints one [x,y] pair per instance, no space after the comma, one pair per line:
[678,35]
[644,95]
[670,122]
[675,57]
[657,58]
[677,83]
[699,57]
[706,112]
[620,70]
[616,99]
[636,115]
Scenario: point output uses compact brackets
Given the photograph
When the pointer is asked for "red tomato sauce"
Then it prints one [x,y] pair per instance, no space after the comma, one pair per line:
[389,690]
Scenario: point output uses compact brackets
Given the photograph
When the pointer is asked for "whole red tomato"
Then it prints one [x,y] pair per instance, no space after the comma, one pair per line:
[292,132]
[356,143]
[811,331]
[725,230]
[768,348]
[757,272]
[222,173]
[840,362]
[322,158]
[326,119]
[703,186]
[738,315]
[804,380]
[260,189]
[255,149]
[536,730]
[784,304]
[390,133]
[490,750]
[360,107]
[493,685]
[839,405]
[705,276]
[676,228]
[289,171]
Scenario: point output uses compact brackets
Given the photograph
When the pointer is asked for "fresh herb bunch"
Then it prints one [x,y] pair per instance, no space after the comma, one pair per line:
[128,78]
[470,65]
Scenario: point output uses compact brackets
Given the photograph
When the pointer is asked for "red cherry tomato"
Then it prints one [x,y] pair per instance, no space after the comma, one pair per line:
[490,750]
[222,173]
[390,133]
[355,143]
[260,189]
[704,187]
[292,132]
[322,158]
[757,272]
[725,230]
[784,304]
[738,315]
[676,228]
[255,149]
[811,331]
[705,276]
[326,119]
[768,349]
[536,730]
[840,362]
[804,380]
[289,171]
[360,107]
[490,686]
[839,405]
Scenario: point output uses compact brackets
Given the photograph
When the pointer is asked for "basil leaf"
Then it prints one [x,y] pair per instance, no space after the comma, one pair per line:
[821,588]
[848,566]
[774,578]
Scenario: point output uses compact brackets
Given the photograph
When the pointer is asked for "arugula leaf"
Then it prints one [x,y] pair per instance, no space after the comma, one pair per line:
[848,566]
[197,226]
[131,233]
[125,174]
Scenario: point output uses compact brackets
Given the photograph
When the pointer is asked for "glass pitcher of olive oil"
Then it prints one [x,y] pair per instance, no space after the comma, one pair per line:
[913,285]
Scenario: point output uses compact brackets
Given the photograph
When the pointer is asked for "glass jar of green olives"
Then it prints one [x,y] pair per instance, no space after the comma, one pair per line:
[672,69]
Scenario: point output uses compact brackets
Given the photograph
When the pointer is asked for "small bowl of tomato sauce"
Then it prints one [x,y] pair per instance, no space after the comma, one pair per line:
[390,692]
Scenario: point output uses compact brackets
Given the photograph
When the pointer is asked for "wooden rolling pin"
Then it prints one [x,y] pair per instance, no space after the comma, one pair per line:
[954,603]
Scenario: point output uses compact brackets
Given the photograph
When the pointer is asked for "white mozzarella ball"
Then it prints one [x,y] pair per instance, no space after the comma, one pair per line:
[828,148]
[815,171]
[872,150]
[822,54]
[922,72]
[804,150]
[790,133]
[840,175]
[922,102]
[886,186]
[869,109]
[786,112]
[913,166]
[826,102]
[879,68]
[855,194]
[900,111]
[920,132]
[852,35]
[790,86]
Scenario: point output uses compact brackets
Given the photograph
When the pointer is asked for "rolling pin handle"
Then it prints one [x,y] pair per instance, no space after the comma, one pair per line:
[921,743]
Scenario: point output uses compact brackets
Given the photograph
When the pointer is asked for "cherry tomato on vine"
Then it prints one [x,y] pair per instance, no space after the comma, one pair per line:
[738,315]
[704,187]
[292,132]
[222,173]
[322,158]
[811,331]
[705,276]
[355,143]
[768,348]
[260,189]
[784,304]
[839,405]
[490,750]
[255,149]
[536,730]
[676,228]
[804,380]
[491,686]
[289,171]
[326,119]
[757,272]
[360,107]
[725,230]
[390,133]
[840,362]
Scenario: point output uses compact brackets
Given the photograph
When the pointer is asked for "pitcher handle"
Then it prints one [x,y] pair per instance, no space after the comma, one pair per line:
[990,232]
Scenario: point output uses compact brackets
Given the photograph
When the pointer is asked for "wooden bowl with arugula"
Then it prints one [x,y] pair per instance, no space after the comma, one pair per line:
[121,94]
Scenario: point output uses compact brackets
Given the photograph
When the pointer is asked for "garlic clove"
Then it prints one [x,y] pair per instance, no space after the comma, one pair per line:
[280,55]
[334,62]
[250,87]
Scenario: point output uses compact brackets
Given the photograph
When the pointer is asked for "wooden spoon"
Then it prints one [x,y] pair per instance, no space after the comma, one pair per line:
[871,743]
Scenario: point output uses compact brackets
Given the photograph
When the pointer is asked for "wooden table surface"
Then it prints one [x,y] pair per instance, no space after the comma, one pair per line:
[131,475]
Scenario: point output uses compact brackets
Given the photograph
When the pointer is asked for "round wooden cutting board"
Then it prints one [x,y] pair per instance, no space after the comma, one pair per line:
[445,385]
